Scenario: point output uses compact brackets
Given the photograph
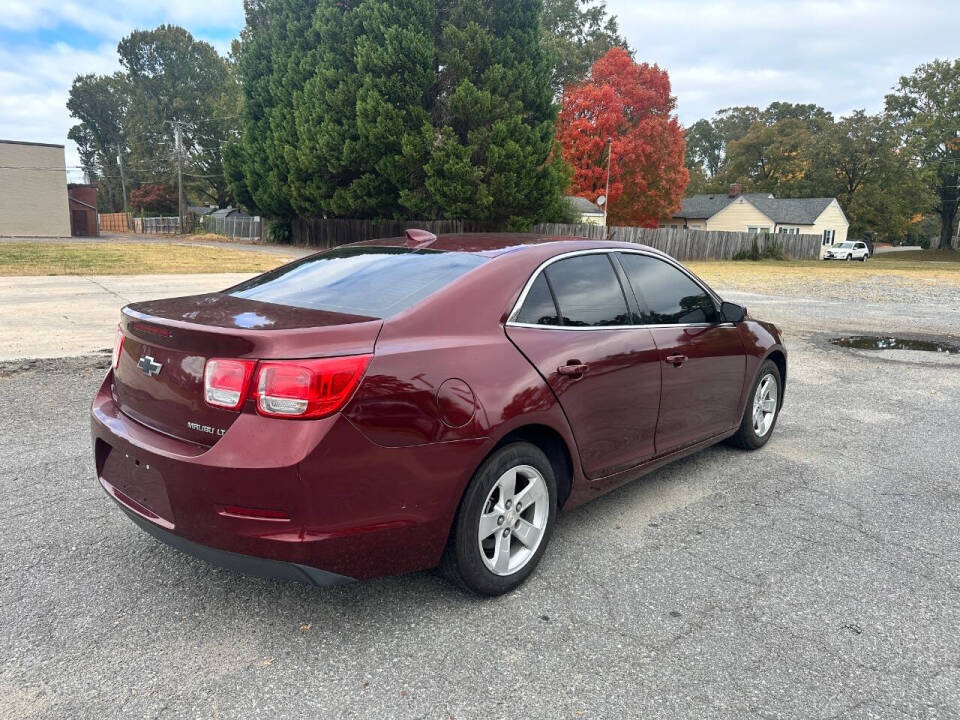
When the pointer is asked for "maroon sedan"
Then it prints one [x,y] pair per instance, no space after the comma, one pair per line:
[400,404]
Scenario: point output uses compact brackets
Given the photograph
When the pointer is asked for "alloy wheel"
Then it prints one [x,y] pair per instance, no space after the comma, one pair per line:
[765,405]
[513,520]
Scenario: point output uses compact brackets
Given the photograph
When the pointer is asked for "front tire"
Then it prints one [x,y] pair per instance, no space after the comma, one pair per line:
[762,410]
[504,521]
[849,257]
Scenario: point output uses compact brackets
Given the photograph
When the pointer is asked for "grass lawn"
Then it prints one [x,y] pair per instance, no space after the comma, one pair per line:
[106,258]
[772,275]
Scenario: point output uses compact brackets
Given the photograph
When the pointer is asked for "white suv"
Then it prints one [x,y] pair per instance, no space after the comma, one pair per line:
[848,251]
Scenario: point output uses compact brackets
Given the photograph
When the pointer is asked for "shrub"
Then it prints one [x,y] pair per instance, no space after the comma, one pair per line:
[771,251]
[280,230]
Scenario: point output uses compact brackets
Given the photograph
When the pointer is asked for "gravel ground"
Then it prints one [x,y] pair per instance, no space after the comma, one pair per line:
[816,578]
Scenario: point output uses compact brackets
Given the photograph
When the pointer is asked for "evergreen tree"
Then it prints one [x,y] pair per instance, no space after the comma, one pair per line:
[398,108]
[274,62]
[491,145]
[374,71]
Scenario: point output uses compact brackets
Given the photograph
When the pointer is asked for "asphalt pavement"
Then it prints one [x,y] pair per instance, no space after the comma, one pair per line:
[816,578]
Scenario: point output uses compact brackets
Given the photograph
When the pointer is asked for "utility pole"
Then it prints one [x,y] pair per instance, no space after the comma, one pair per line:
[123,180]
[178,144]
[606,204]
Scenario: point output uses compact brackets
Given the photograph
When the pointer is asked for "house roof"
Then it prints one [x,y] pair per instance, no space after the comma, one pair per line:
[789,211]
[228,212]
[27,142]
[793,211]
[584,206]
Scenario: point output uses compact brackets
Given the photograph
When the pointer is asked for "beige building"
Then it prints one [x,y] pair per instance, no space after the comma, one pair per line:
[33,190]
[762,212]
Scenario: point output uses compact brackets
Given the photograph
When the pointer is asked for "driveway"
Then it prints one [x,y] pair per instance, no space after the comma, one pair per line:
[266,248]
[816,578]
[63,315]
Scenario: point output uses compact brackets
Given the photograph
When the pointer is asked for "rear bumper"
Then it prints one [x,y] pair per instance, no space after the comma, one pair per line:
[346,507]
[247,564]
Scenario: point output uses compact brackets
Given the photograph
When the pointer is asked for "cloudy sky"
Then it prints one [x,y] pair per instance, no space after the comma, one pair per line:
[842,55]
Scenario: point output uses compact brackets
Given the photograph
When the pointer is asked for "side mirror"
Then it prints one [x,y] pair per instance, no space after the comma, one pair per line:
[732,312]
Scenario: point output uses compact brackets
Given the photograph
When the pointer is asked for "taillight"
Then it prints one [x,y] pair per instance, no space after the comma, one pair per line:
[308,388]
[117,347]
[225,382]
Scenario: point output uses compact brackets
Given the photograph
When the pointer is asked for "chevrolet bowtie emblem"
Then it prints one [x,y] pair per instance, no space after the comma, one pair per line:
[149,366]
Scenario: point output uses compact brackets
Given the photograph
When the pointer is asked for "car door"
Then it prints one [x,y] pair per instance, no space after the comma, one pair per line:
[573,324]
[703,360]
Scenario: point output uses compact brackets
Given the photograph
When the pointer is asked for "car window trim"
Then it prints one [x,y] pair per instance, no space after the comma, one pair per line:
[511,318]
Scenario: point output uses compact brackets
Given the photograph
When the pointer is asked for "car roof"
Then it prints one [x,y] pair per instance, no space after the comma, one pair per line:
[496,244]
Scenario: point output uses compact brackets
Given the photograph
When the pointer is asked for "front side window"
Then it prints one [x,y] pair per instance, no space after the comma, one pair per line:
[666,295]
[370,281]
[588,292]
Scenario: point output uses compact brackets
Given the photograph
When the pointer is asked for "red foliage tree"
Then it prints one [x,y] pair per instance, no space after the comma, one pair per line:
[155,197]
[630,103]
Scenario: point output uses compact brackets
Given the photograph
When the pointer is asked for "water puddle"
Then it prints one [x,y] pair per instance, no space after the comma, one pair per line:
[888,342]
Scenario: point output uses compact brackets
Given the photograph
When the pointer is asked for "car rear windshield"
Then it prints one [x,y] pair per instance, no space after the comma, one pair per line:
[372,281]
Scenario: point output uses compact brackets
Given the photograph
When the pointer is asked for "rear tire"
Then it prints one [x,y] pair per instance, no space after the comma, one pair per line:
[760,416]
[864,258]
[493,546]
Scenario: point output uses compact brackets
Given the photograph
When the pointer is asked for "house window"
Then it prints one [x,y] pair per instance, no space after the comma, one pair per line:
[828,236]
[755,230]
[788,230]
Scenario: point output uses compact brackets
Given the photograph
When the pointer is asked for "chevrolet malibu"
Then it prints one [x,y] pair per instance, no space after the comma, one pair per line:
[402,404]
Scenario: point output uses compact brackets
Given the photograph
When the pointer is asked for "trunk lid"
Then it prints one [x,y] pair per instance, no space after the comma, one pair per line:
[159,379]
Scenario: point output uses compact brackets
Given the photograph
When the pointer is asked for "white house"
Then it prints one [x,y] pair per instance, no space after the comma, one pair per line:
[762,212]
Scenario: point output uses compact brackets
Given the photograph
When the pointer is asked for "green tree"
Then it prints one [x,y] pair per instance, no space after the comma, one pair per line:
[172,76]
[575,34]
[772,158]
[705,148]
[166,75]
[99,103]
[369,95]
[733,122]
[881,187]
[927,103]
[492,137]
[397,109]
[276,57]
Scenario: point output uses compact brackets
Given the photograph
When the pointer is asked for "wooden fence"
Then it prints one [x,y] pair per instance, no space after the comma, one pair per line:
[685,244]
[328,233]
[114,222]
[157,225]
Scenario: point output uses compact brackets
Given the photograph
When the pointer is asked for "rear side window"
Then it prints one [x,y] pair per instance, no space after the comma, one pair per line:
[371,281]
[539,308]
[588,292]
[666,295]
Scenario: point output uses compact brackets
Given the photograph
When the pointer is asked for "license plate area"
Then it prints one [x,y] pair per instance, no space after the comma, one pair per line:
[139,480]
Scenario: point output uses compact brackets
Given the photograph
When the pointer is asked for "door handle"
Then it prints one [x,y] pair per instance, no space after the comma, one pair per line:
[573,369]
[676,360]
